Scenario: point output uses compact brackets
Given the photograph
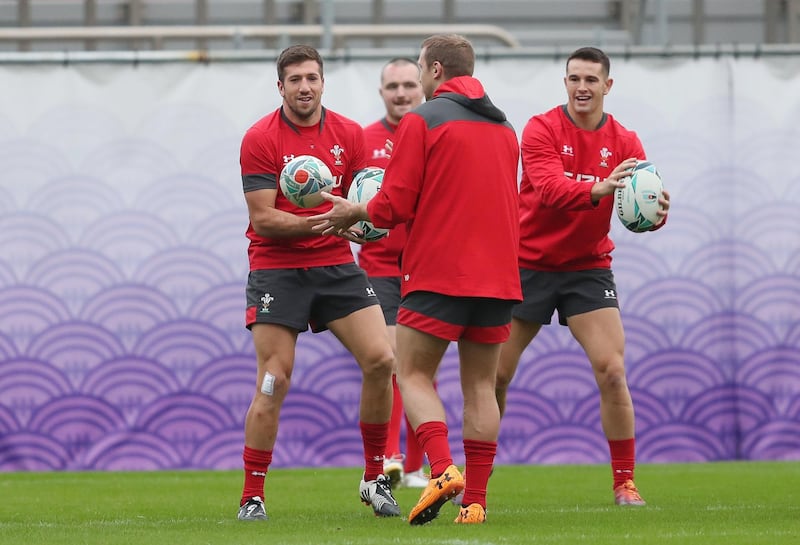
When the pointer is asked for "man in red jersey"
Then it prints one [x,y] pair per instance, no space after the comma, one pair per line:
[452,177]
[401,92]
[298,278]
[573,158]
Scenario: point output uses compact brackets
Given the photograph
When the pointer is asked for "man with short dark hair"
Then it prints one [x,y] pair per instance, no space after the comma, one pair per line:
[573,158]
[298,278]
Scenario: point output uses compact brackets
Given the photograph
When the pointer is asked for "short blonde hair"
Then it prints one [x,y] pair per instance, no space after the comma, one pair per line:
[454,53]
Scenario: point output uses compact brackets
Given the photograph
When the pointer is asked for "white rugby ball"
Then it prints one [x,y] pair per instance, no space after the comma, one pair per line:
[366,184]
[303,179]
[637,202]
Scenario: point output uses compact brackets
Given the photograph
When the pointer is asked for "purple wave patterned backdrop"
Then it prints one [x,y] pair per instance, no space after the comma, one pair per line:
[123,262]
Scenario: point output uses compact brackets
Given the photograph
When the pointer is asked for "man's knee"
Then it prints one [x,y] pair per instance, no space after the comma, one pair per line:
[380,364]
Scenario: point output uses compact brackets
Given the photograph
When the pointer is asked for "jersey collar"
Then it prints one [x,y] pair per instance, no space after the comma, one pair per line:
[387,125]
[297,129]
[602,122]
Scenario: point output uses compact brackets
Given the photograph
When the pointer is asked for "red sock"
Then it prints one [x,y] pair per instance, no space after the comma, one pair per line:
[623,459]
[415,456]
[432,437]
[393,440]
[480,459]
[256,465]
[374,438]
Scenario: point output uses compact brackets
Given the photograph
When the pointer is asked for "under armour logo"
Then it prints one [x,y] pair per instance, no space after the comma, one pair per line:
[610,294]
[441,481]
[371,292]
[251,509]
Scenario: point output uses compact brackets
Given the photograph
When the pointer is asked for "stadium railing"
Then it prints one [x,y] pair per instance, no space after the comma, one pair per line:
[236,35]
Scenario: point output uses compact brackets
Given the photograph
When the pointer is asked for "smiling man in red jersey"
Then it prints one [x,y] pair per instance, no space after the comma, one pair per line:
[401,92]
[453,179]
[573,158]
[298,278]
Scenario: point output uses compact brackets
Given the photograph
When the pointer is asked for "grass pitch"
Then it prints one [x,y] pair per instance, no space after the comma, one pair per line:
[733,503]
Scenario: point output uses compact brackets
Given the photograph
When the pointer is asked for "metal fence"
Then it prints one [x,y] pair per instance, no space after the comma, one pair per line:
[217,24]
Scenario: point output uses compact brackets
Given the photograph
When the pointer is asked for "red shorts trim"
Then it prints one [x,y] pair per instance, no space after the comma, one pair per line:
[453,332]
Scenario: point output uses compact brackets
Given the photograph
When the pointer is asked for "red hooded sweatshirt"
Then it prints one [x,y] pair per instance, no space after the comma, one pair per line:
[453,180]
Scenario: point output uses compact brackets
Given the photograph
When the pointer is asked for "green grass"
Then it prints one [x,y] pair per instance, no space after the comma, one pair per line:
[727,503]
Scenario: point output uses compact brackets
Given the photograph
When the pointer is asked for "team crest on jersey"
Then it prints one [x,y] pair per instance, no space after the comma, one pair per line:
[605,153]
[337,152]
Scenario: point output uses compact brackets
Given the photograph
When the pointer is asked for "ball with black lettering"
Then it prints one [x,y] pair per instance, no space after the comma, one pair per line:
[303,179]
[637,202]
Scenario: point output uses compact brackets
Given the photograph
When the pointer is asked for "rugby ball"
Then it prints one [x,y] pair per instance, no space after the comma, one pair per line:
[636,203]
[303,179]
[366,184]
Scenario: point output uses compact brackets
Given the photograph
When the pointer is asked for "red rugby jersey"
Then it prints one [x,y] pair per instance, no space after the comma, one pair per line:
[560,228]
[453,179]
[381,258]
[271,143]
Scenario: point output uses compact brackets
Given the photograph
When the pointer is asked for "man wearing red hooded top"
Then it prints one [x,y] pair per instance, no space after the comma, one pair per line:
[453,180]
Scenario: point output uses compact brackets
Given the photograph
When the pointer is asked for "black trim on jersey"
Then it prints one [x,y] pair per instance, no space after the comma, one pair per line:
[254,182]
[389,127]
[603,119]
[481,106]
[457,107]
[295,128]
